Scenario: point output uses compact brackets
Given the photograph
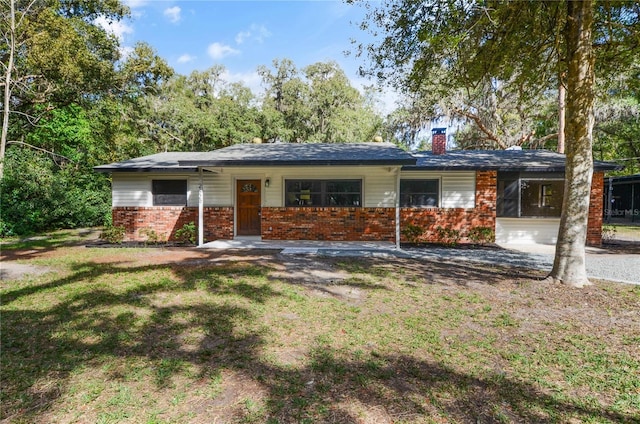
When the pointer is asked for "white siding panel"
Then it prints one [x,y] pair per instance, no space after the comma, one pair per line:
[217,189]
[378,182]
[131,190]
[134,189]
[527,230]
[458,188]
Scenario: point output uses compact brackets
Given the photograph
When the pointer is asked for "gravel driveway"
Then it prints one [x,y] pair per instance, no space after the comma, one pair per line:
[601,264]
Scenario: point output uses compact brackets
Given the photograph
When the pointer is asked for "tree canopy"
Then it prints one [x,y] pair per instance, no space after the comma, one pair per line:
[437,48]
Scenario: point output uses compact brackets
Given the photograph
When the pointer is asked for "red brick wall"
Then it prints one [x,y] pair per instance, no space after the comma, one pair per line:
[596,203]
[166,220]
[460,219]
[338,224]
[439,144]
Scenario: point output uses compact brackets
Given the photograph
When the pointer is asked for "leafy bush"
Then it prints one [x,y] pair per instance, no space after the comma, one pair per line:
[38,195]
[113,234]
[187,234]
[412,233]
[152,236]
[448,236]
[482,235]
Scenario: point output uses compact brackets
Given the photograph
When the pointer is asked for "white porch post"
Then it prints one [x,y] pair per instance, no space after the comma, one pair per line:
[398,208]
[200,210]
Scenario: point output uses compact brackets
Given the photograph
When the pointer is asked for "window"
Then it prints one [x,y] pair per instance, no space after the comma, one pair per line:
[529,197]
[169,192]
[541,198]
[419,193]
[323,193]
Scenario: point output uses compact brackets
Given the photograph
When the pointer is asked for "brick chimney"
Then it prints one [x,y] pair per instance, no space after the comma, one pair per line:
[439,141]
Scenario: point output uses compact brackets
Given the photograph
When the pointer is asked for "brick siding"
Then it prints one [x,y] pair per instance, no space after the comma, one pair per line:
[338,224]
[166,220]
[459,219]
[343,224]
[596,204]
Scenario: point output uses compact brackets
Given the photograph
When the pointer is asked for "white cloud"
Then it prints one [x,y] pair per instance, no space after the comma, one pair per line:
[255,32]
[134,4]
[173,14]
[125,52]
[219,50]
[252,79]
[117,28]
[186,58]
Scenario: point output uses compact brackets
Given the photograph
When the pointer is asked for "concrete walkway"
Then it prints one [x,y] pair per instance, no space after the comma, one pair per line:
[600,263]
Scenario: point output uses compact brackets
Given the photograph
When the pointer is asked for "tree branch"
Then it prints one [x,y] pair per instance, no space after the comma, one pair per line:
[476,119]
[40,149]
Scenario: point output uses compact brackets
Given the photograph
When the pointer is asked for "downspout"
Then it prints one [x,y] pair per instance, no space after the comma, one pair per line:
[398,208]
[200,209]
[609,200]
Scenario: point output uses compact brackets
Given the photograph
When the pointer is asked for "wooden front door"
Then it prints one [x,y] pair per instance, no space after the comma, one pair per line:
[248,207]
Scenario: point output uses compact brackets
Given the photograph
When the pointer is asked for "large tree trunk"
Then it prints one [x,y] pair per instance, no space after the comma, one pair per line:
[562,96]
[6,99]
[569,263]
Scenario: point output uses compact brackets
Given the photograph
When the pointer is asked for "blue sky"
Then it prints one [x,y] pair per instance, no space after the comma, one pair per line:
[241,35]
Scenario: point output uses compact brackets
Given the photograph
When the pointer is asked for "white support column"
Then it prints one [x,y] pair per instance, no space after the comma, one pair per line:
[200,210]
[398,208]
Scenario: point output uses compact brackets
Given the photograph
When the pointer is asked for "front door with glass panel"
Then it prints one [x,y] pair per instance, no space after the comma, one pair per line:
[248,207]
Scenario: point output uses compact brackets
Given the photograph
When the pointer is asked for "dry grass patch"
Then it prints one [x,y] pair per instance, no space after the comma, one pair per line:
[186,335]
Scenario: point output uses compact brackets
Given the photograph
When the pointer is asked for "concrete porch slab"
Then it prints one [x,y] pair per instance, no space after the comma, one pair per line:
[299,245]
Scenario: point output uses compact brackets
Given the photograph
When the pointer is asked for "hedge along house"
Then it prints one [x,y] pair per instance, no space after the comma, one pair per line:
[346,192]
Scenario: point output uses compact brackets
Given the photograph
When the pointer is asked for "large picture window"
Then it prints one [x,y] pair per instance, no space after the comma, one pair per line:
[169,192]
[419,193]
[323,193]
[529,197]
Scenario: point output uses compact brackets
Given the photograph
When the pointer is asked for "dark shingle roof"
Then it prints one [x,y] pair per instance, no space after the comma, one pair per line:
[286,154]
[500,160]
[168,161]
[319,154]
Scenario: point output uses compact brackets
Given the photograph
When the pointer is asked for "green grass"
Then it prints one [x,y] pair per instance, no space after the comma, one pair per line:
[171,336]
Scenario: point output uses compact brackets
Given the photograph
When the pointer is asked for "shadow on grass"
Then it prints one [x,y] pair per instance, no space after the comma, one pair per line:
[96,320]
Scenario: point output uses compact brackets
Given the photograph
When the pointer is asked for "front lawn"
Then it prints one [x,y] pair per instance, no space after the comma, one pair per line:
[186,335]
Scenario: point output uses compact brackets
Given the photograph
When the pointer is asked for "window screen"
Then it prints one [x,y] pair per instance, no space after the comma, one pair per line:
[419,193]
[324,193]
[169,192]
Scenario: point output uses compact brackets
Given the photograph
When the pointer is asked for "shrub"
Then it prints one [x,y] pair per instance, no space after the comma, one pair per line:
[482,235]
[113,234]
[448,236]
[152,236]
[37,195]
[412,233]
[187,234]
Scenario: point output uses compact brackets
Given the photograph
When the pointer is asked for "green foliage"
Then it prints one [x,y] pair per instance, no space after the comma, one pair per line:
[412,232]
[482,235]
[152,236]
[448,236]
[113,234]
[188,233]
[38,195]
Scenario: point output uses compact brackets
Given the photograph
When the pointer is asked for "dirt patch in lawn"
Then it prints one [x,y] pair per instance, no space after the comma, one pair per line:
[18,271]
[195,335]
